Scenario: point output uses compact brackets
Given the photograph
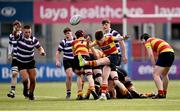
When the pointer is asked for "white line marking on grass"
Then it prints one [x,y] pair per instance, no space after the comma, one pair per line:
[48,97]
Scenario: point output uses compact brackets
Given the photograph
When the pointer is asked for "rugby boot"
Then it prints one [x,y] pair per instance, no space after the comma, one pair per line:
[11,94]
[31,96]
[159,96]
[81,61]
[94,95]
[79,97]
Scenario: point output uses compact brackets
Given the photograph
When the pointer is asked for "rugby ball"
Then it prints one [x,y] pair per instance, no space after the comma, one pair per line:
[75,19]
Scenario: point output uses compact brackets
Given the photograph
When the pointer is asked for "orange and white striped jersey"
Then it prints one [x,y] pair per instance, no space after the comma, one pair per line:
[108,46]
[158,45]
[79,46]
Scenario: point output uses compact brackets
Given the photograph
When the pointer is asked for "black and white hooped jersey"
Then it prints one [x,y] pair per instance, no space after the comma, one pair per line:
[25,48]
[66,47]
[116,34]
[13,45]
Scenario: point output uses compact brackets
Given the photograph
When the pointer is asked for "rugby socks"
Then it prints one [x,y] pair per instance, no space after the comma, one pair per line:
[92,63]
[13,88]
[68,92]
[88,92]
[25,90]
[161,92]
[80,93]
[25,84]
[104,88]
[165,92]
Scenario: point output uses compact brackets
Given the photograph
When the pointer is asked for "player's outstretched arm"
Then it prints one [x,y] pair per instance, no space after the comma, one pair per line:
[121,38]
[41,51]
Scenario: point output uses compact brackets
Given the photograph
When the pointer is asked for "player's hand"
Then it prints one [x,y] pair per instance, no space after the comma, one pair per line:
[14,29]
[58,64]
[125,59]
[43,54]
[9,57]
[125,37]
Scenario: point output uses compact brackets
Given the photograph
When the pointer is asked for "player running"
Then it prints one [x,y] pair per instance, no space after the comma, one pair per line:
[162,65]
[12,53]
[25,59]
[68,59]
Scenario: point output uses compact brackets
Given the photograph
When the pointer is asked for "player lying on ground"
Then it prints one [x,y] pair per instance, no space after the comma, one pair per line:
[123,77]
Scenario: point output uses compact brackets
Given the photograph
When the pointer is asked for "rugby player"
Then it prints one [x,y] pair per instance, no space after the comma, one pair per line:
[68,59]
[12,53]
[108,31]
[25,60]
[109,48]
[79,47]
[160,67]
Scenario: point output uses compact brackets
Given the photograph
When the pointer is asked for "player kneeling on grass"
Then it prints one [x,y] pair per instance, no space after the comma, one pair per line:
[108,46]
[79,47]
[162,65]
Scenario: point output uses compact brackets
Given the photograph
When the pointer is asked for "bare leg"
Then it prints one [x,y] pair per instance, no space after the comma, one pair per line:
[158,71]
[111,88]
[105,75]
[121,86]
[165,80]
[13,82]
[156,75]
[79,85]
[69,73]
[24,76]
[32,78]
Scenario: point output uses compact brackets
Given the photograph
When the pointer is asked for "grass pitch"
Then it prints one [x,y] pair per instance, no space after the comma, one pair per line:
[51,96]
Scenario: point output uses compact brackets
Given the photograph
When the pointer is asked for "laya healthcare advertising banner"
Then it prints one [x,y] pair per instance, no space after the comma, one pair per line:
[91,12]
[45,73]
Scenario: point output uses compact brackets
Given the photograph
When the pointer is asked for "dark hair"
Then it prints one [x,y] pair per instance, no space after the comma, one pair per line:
[16,22]
[105,21]
[79,33]
[67,29]
[27,27]
[99,35]
[90,36]
[145,36]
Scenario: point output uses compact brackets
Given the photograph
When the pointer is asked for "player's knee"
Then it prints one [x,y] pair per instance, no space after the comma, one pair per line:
[128,84]
[69,76]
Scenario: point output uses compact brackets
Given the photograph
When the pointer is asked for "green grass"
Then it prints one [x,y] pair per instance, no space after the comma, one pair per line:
[51,96]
